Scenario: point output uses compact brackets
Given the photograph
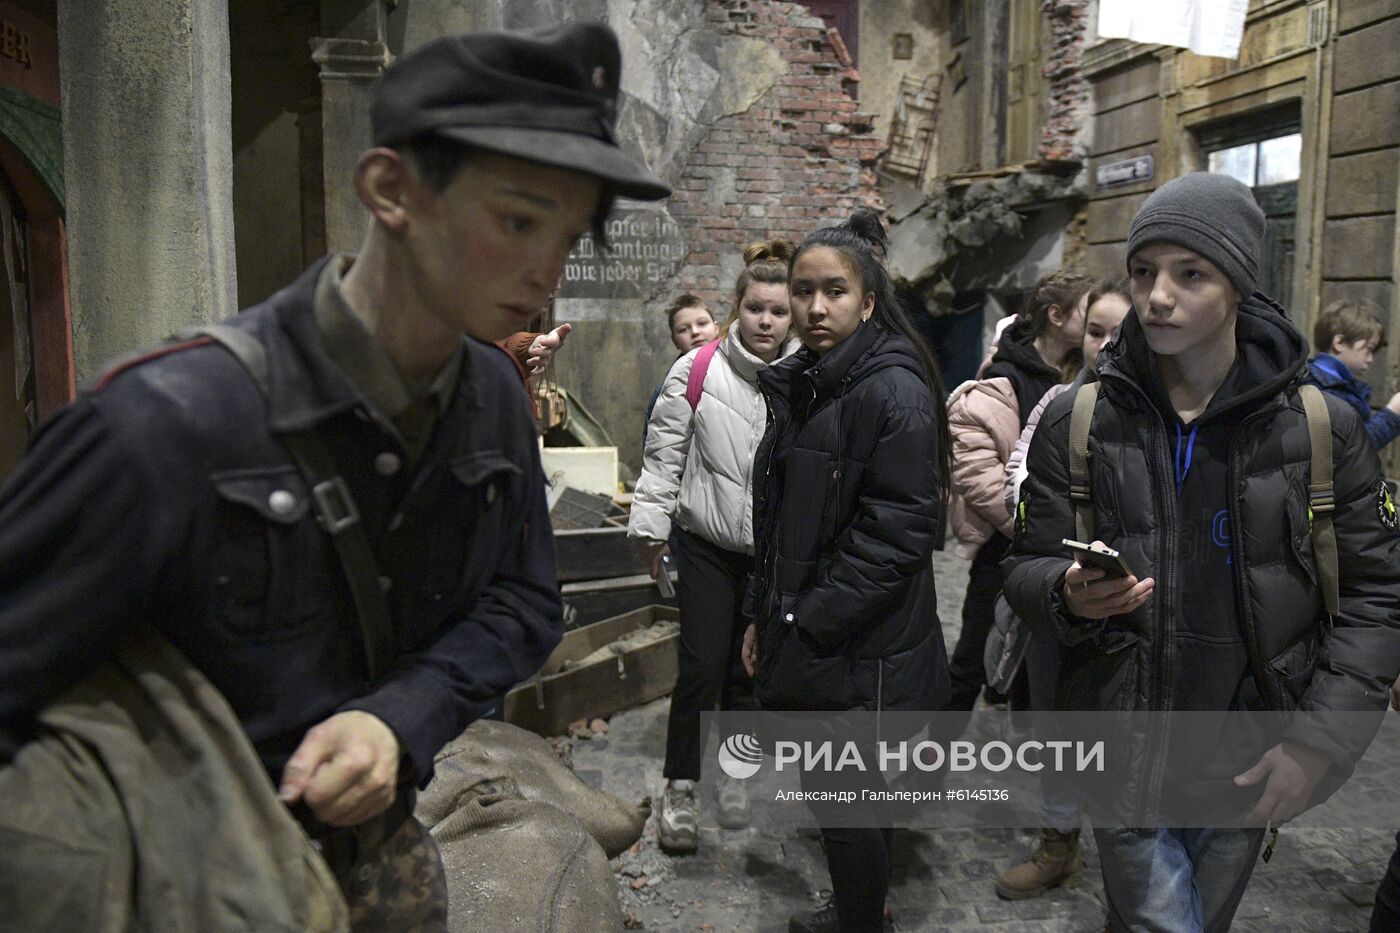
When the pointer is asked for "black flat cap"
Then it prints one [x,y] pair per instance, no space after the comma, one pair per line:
[547,96]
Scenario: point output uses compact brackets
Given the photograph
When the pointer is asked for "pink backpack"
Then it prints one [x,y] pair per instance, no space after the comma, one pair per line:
[695,385]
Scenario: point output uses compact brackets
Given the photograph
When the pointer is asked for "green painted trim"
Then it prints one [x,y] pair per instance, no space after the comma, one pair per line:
[36,130]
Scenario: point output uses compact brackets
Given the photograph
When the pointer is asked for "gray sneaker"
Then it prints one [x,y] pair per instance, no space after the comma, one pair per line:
[733,799]
[680,818]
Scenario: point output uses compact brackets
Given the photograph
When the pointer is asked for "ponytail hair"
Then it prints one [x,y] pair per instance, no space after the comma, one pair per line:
[765,263]
[861,241]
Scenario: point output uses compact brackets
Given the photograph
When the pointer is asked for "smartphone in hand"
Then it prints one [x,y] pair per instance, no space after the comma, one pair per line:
[1099,555]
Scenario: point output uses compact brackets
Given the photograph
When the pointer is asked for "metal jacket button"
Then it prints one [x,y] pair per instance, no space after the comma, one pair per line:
[387,463]
[281,502]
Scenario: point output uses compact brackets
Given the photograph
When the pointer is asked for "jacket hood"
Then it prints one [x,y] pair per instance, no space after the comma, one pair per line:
[1272,355]
[1017,356]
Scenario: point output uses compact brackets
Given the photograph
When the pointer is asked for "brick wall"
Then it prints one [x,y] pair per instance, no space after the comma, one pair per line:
[801,157]
[1068,93]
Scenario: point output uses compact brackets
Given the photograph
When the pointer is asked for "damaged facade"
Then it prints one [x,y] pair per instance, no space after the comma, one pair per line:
[1004,139]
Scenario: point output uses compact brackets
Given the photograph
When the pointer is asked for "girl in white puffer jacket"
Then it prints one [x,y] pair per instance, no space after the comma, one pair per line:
[697,480]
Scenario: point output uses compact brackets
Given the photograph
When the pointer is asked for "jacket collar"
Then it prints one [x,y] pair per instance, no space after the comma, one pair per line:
[305,386]
[843,362]
[745,363]
[1330,371]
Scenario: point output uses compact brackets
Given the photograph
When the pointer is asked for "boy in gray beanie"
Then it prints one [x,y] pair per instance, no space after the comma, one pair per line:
[1198,444]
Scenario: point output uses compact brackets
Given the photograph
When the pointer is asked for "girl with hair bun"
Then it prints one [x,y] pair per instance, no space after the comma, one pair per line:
[848,508]
[696,482]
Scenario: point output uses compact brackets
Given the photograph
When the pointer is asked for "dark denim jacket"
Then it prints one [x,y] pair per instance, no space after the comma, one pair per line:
[163,492]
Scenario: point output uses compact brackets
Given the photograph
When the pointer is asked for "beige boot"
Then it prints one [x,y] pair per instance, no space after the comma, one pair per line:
[1054,861]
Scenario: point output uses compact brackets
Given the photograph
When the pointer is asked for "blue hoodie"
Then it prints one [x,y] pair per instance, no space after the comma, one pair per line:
[1332,375]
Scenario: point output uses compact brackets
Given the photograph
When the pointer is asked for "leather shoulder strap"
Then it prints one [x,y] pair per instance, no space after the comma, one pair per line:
[335,506]
[1081,422]
[1322,497]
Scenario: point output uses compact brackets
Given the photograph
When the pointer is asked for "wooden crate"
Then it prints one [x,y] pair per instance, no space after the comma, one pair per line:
[590,601]
[555,697]
[596,554]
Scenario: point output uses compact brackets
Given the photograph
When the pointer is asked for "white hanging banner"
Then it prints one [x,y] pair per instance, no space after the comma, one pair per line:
[1206,27]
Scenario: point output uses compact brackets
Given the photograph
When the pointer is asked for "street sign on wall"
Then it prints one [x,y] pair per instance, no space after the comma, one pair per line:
[1124,171]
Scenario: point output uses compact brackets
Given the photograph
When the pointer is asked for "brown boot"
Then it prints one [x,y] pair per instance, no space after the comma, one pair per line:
[1054,861]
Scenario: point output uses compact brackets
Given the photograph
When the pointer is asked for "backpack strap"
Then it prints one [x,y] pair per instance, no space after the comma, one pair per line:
[695,385]
[1322,497]
[335,506]
[1081,421]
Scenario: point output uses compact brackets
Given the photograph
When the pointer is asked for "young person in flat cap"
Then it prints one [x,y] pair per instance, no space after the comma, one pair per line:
[1199,458]
[167,493]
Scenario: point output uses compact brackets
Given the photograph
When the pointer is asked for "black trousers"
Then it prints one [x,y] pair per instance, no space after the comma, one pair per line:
[966,669]
[857,838]
[1385,917]
[711,596]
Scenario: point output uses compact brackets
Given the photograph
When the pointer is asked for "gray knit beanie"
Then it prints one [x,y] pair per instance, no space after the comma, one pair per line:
[1213,215]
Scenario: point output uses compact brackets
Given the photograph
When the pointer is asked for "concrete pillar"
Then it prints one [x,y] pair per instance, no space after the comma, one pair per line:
[351,57]
[148,165]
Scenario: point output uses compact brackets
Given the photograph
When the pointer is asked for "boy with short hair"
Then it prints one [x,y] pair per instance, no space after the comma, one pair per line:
[1199,460]
[1346,337]
[168,493]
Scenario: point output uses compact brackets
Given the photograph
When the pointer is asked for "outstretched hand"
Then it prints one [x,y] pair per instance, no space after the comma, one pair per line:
[542,349]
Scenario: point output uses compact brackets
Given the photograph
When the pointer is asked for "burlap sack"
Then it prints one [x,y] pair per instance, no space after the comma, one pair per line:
[491,750]
[517,864]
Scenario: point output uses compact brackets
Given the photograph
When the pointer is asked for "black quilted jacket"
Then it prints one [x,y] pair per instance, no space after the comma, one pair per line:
[1299,660]
[846,513]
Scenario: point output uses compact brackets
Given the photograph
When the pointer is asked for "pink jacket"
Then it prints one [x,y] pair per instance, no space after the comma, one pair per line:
[1016,465]
[984,420]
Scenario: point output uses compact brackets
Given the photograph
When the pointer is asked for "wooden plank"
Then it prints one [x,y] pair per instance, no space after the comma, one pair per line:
[1357,13]
[1366,119]
[1134,125]
[1382,293]
[1139,80]
[1367,55]
[1362,184]
[1109,217]
[1106,260]
[1358,248]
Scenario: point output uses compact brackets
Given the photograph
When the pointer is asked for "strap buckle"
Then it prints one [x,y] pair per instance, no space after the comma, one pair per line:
[335,505]
[1322,499]
[1079,492]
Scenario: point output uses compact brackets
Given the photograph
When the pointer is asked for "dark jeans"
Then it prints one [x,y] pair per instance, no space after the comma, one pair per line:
[711,596]
[1385,918]
[966,670]
[857,838]
[1176,880]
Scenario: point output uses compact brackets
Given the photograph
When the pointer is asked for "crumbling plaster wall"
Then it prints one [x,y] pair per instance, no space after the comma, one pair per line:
[1004,229]
[738,104]
[880,72]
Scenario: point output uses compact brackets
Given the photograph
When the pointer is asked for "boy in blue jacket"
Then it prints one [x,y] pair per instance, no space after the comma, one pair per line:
[1346,337]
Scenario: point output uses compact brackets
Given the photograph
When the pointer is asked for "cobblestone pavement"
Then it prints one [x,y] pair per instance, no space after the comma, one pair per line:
[1319,881]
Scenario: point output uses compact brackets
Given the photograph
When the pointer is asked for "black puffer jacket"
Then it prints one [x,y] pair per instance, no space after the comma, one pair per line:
[1296,658]
[846,507]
